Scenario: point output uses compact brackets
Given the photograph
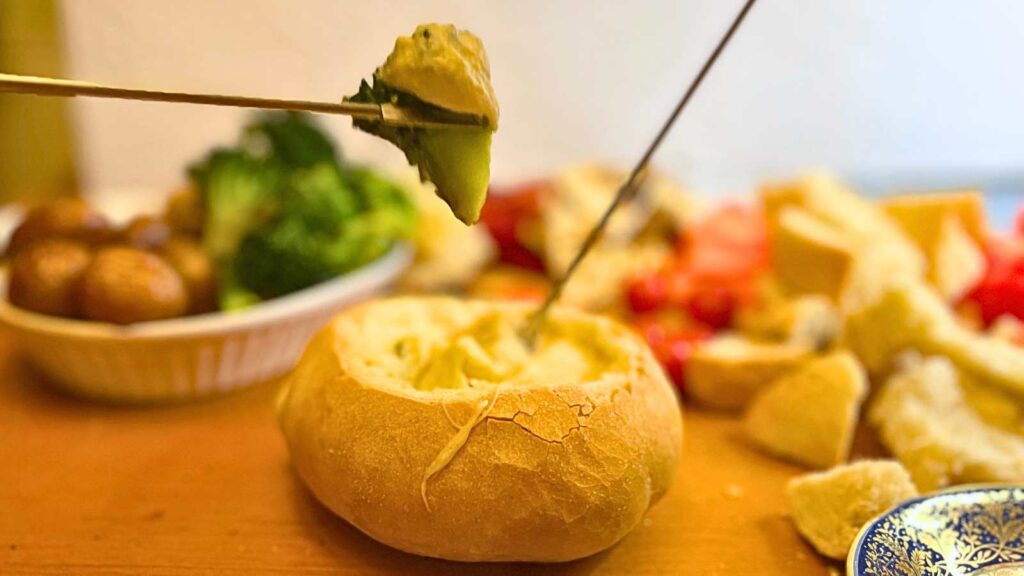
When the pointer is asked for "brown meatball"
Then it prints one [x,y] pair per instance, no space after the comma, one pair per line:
[196,269]
[44,277]
[184,212]
[70,218]
[125,285]
[147,233]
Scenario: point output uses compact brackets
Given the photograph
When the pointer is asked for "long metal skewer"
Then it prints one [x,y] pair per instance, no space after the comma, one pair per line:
[536,320]
[386,113]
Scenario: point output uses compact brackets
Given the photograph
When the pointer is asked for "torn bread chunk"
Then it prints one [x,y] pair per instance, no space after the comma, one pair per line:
[728,371]
[923,418]
[908,315]
[809,415]
[996,407]
[830,508]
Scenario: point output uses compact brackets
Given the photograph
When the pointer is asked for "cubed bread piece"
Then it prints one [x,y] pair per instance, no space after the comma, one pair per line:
[955,261]
[811,320]
[836,205]
[809,255]
[809,414]
[830,508]
[919,214]
[896,318]
[908,315]
[922,417]
[950,230]
[728,371]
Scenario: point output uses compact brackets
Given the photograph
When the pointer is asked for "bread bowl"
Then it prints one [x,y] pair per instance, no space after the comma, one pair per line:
[427,424]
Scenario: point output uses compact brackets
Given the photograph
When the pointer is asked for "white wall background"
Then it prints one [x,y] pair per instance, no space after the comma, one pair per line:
[864,87]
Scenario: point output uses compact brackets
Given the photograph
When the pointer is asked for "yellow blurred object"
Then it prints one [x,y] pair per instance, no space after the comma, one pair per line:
[950,229]
[726,372]
[35,140]
[509,283]
[449,255]
[808,415]
[923,418]
[920,213]
[828,240]
[909,315]
[810,256]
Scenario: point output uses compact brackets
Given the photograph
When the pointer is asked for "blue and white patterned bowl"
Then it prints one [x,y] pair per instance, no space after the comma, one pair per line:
[977,530]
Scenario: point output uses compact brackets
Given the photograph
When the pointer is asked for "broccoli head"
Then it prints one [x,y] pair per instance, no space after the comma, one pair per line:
[290,139]
[330,222]
[283,213]
[239,194]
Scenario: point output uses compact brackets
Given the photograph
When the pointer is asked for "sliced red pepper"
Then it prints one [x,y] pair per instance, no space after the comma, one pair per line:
[508,215]
[1001,291]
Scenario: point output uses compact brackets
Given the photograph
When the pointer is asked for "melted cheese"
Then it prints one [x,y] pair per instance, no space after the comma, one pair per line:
[452,345]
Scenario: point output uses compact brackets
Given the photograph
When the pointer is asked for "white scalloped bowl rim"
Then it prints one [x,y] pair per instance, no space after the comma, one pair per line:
[359,282]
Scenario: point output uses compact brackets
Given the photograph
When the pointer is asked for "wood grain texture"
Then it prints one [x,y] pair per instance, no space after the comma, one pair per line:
[207,489]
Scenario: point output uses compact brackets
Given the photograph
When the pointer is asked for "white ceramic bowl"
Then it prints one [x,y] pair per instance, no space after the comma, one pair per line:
[193,356]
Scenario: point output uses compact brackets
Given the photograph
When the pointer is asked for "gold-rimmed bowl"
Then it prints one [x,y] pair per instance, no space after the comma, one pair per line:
[976,530]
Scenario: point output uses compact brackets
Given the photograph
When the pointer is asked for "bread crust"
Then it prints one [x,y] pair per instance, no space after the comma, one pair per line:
[829,508]
[543,473]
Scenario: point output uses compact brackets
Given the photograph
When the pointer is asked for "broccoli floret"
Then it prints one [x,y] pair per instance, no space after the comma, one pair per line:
[291,139]
[283,213]
[321,197]
[239,194]
[330,223]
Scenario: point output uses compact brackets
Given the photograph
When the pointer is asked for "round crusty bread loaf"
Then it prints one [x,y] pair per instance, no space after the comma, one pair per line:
[545,455]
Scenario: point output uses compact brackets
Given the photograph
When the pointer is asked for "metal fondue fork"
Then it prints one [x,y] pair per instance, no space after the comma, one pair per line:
[536,320]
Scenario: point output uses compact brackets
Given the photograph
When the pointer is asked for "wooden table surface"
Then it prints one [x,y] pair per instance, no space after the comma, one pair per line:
[206,488]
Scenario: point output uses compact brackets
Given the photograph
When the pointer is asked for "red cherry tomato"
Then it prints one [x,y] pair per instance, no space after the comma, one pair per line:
[647,293]
[713,307]
[681,285]
[675,352]
[671,342]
